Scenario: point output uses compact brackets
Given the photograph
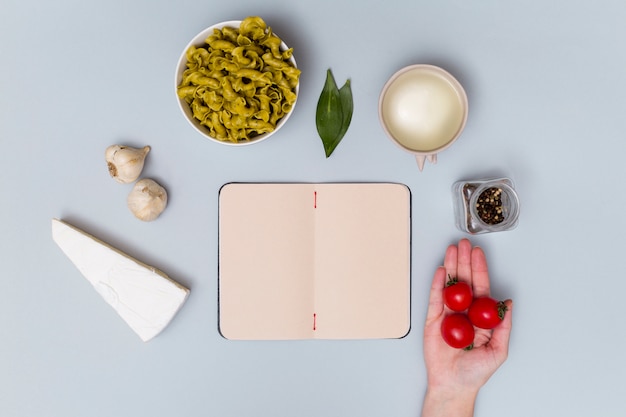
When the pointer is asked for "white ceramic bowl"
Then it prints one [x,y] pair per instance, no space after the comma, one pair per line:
[199,40]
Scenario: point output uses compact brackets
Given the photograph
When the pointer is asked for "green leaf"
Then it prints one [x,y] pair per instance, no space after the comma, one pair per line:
[347,107]
[334,113]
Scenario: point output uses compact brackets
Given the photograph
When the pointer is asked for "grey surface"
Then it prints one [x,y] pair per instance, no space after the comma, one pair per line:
[546,83]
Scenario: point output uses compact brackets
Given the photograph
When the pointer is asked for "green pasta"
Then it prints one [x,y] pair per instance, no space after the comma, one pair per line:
[239,84]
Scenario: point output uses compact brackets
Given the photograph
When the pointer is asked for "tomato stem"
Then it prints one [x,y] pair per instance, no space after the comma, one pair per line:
[451,281]
[502,309]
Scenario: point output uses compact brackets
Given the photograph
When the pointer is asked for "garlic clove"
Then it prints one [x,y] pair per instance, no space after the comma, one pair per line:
[125,163]
[147,199]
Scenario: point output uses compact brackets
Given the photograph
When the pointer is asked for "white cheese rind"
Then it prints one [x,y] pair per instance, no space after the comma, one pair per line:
[146,298]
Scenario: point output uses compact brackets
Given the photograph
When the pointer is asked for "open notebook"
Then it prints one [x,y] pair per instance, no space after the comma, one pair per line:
[314,261]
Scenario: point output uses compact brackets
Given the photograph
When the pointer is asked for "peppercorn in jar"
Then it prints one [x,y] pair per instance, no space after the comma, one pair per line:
[483,206]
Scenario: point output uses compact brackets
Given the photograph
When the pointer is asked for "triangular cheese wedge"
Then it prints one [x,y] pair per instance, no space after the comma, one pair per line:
[146,298]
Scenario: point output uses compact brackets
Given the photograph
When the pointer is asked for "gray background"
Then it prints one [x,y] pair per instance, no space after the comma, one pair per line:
[546,83]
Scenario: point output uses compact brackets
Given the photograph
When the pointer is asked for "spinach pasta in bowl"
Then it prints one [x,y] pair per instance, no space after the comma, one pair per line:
[237,82]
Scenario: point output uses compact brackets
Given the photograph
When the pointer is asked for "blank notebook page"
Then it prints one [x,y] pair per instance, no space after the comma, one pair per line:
[305,261]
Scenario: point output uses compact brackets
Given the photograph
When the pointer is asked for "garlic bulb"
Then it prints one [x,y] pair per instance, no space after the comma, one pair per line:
[125,163]
[147,199]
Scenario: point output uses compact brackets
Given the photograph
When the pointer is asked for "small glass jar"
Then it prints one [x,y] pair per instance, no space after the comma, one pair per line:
[482,206]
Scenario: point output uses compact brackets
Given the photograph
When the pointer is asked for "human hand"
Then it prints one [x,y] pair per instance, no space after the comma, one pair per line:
[454,375]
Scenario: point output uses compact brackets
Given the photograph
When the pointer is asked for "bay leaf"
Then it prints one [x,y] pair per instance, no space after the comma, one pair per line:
[334,113]
[347,107]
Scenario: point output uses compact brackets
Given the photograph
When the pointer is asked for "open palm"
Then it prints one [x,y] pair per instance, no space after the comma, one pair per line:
[456,370]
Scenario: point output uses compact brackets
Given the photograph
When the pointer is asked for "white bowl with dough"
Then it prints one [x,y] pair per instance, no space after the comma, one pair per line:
[423,109]
[199,41]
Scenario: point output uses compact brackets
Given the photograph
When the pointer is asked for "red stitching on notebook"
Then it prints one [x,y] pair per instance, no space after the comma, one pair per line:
[314,199]
[314,321]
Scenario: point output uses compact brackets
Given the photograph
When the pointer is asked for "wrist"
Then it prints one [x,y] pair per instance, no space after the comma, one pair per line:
[445,401]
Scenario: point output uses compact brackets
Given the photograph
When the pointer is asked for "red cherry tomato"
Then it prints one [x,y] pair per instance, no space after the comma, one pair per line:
[457,331]
[457,295]
[486,313]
